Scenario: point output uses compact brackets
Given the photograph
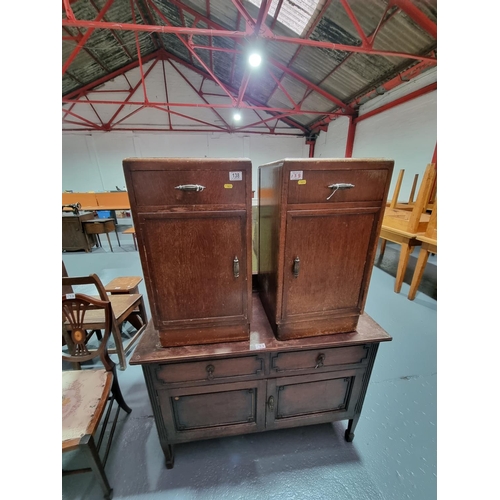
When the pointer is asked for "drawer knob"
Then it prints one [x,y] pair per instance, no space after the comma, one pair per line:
[210,371]
[296,267]
[190,187]
[319,360]
[339,185]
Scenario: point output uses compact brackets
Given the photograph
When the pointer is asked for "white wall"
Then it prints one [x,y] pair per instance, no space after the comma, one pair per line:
[406,133]
[93,162]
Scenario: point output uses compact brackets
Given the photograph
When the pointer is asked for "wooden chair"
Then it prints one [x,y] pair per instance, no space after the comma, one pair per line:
[131,230]
[101,226]
[125,308]
[88,395]
[429,245]
[394,203]
[402,226]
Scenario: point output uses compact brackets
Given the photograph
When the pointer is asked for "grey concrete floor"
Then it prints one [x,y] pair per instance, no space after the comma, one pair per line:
[393,455]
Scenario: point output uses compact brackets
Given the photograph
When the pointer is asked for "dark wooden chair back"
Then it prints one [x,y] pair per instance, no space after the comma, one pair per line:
[75,309]
[91,279]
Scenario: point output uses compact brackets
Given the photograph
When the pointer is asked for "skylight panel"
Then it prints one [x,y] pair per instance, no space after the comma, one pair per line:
[294,14]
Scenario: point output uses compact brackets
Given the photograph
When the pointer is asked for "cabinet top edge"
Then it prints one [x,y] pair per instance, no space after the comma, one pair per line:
[337,162]
[185,162]
[149,351]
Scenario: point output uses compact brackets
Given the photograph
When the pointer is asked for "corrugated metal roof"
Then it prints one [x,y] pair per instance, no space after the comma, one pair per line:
[342,74]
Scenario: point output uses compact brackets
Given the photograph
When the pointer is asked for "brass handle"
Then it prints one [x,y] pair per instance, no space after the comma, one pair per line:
[210,370]
[296,267]
[236,267]
[190,187]
[319,360]
[339,185]
[270,403]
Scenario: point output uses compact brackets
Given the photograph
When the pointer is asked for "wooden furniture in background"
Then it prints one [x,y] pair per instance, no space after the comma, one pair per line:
[402,226]
[319,227]
[131,230]
[123,284]
[394,203]
[125,307]
[73,234]
[118,200]
[233,388]
[101,226]
[192,219]
[428,245]
[86,393]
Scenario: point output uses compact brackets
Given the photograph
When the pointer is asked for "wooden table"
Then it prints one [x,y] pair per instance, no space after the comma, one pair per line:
[123,284]
[232,388]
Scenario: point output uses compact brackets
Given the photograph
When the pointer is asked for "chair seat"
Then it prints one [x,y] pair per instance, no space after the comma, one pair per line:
[84,395]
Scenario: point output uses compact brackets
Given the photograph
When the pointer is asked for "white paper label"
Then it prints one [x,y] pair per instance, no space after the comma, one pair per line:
[70,295]
[260,346]
[296,175]
[235,176]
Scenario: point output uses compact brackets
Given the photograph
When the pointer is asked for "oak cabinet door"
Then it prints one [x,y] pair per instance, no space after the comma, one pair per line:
[325,261]
[312,399]
[196,267]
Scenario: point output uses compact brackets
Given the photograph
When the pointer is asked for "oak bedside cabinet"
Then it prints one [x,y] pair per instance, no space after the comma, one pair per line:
[192,219]
[319,224]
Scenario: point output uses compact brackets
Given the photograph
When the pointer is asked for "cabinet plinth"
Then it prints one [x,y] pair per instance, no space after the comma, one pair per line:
[319,224]
[226,389]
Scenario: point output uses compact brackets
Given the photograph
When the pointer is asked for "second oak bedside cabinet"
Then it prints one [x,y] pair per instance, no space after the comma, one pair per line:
[319,224]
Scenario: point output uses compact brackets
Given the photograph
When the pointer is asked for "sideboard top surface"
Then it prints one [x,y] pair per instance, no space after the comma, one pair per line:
[262,339]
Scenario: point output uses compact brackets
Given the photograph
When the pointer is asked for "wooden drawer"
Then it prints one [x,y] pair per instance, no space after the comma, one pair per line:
[156,183]
[369,185]
[319,359]
[211,370]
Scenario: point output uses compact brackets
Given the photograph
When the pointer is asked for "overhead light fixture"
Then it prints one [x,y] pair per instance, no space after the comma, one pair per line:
[237,116]
[255,59]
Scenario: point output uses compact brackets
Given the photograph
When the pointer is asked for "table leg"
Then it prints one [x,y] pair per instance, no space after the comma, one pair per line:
[117,336]
[109,241]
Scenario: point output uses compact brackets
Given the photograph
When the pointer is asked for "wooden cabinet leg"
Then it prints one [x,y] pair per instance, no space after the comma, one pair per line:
[383,243]
[349,433]
[168,451]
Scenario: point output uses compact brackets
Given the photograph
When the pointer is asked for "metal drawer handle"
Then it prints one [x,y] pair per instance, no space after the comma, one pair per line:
[270,403]
[210,371]
[319,360]
[190,187]
[339,185]
[236,267]
[296,267]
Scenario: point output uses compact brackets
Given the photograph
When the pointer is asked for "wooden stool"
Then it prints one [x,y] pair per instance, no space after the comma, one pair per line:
[101,226]
[131,230]
[124,284]
[129,285]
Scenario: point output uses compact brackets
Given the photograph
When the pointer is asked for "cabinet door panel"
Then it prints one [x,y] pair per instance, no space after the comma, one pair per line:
[190,261]
[333,250]
[211,411]
[313,399]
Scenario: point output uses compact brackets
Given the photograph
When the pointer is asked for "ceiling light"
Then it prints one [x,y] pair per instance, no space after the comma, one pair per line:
[237,116]
[254,60]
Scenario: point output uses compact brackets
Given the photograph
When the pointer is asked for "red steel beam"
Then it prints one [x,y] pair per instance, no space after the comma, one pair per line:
[207,105]
[195,55]
[418,16]
[85,37]
[261,17]
[351,132]
[178,30]
[397,102]
[244,13]
[199,93]
[138,48]
[355,22]
[276,14]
